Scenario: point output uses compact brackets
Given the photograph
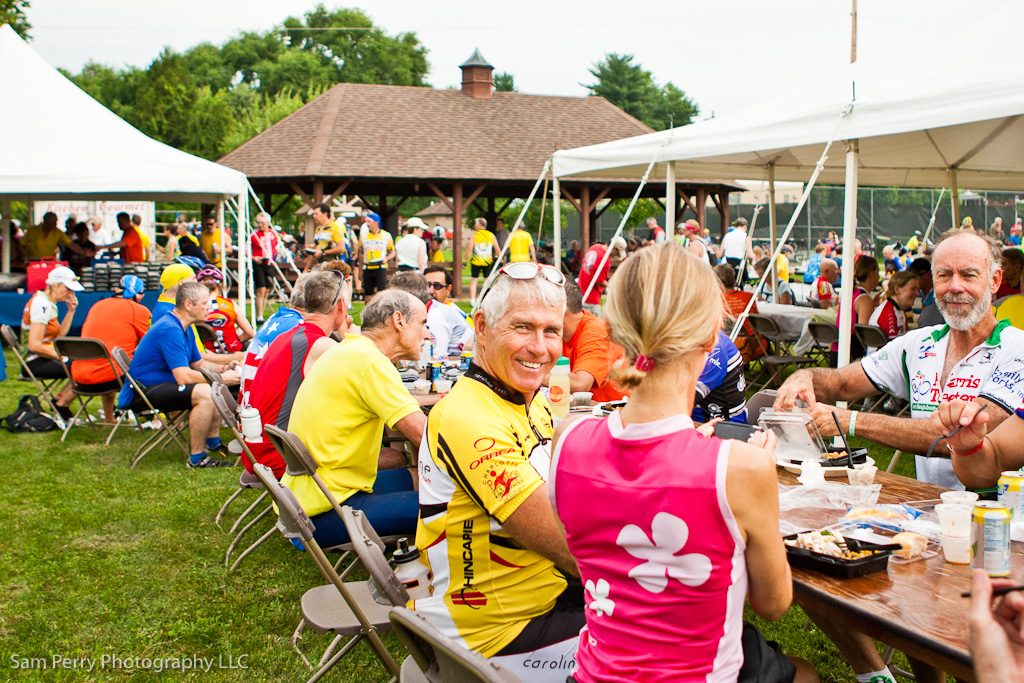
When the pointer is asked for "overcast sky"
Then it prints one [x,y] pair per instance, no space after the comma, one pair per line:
[725,55]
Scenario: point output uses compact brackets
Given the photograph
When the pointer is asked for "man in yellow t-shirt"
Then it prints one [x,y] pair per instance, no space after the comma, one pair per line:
[520,246]
[481,252]
[340,411]
[498,561]
[209,240]
[329,240]
[782,264]
[41,241]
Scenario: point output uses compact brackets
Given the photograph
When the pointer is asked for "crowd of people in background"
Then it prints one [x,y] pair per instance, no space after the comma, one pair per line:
[635,317]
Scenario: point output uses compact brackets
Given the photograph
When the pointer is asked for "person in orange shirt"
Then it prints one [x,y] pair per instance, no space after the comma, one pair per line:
[589,348]
[117,321]
[130,244]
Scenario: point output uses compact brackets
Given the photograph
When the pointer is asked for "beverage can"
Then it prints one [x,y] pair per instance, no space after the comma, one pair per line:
[435,372]
[990,538]
[1011,494]
[465,359]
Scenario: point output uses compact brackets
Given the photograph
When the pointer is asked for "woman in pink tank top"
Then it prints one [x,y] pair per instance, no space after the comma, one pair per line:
[672,530]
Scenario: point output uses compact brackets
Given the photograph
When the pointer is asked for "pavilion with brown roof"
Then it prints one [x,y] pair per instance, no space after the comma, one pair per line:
[466,146]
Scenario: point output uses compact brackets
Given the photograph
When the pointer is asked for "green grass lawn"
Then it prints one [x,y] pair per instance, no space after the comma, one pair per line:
[99,560]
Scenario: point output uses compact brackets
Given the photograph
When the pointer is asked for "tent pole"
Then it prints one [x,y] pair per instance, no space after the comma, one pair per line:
[849,235]
[5,209]
[556,218]
[772,229]
[954,197]
[670,200]
[223,239]
[518,225]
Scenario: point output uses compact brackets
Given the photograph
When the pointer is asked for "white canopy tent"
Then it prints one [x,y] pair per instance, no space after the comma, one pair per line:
[961,127]
[61,143]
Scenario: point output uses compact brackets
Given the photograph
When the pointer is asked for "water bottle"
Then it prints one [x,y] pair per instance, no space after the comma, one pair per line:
[559,394]
[412,573]
[252,424]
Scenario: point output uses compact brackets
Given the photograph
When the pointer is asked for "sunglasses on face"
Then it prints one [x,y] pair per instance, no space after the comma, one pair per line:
[437,285]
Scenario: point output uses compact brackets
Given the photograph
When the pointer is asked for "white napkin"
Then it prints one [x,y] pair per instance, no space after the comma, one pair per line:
[811,474]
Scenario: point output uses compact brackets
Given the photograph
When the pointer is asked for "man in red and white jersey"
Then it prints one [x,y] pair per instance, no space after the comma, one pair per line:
[285,364]
[588,271]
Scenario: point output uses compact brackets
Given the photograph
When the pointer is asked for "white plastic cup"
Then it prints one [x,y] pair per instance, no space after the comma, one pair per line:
[956,549]
[861,475]
[954,519]
[959,497]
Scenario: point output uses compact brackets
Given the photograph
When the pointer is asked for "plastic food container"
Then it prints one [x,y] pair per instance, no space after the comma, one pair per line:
[420,387]
[798,436]
[835,566]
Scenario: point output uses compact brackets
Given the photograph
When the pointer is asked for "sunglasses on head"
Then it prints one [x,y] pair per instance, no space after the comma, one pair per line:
[527,270]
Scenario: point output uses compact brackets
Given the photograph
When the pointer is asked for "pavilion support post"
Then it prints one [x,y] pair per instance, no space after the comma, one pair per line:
[723,208]
[585,217]
[954,197]
[457,239]
[670,198]
[702,205]
[268,201]
[492,215]
[772,231]
[849,235]
[318,197]
[5,210]
[556,220]
[224,242]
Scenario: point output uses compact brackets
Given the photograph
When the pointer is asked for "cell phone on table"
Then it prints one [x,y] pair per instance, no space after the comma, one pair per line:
[734,430]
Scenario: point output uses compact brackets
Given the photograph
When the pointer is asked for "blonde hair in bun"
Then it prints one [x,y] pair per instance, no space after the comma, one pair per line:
[663,303]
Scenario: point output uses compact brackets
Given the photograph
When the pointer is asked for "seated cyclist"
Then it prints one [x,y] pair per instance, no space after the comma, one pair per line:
[502,575]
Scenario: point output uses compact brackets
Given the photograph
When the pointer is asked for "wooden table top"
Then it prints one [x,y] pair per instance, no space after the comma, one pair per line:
[914,607]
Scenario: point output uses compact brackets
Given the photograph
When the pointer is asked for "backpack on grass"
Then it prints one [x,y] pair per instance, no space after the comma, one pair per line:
[29,417]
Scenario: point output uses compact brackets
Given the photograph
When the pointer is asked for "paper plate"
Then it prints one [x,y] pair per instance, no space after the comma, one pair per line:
[829,472]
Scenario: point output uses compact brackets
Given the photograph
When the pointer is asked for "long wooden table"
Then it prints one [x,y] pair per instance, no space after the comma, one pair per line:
[916,608]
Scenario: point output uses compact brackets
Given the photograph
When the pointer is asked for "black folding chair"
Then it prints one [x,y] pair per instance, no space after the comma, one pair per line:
[824,336]
[870,336]
[46,388]
[85,349]
[171,428]
[782,357]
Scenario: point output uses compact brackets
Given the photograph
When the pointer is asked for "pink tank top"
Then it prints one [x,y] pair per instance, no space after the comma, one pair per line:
[659,551]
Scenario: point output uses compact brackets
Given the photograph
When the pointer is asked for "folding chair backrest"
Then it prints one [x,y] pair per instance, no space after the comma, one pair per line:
[441,659]
[370,550]
[225,404]
[824,334]
[10,338]
[292,520]
[766,327]
[762,400]
[123,362]
[85,348]
[297,460]
[209,375]
[871,336]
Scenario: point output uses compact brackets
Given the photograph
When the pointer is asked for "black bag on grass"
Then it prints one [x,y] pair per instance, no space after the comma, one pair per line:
[29,417]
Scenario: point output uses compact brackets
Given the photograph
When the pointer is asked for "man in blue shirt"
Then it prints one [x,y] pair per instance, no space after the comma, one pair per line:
[166,364]
[721,384]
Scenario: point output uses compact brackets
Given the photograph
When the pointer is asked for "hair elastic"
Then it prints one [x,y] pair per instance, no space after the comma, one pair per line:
[644,363]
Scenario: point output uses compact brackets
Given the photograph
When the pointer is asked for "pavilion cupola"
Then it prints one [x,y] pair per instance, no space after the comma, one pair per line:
[477,76]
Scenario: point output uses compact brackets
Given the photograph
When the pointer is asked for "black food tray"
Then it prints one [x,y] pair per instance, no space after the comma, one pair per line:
[858,455]
[834,566]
